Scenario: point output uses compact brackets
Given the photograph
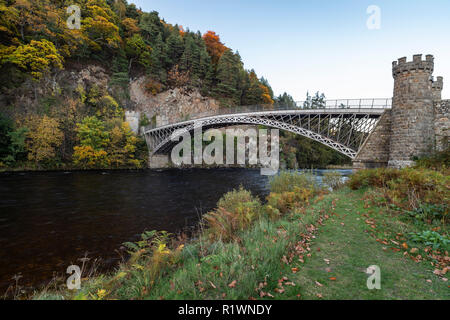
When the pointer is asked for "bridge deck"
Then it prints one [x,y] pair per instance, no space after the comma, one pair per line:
[339,111]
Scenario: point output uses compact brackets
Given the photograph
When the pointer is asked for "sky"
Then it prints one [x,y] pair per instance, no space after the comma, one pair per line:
[321,45]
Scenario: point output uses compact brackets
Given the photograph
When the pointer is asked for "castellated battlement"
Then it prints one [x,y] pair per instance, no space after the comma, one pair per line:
[417,64]
[438,84]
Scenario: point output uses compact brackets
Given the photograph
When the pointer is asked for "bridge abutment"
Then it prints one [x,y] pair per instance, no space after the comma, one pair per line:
[159,161]
[374,153]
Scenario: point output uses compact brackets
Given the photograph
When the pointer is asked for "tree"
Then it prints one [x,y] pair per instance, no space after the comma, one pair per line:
[91,132]
[285,100]
[255,92]
[123,147]
[12,142]
[38,57]
[43,139]
[93,141]
[138,51]
[99,26]
[316,102]
[9,19]
[215,48]
[175,47]
[228,70]
[151,26]
[130,27]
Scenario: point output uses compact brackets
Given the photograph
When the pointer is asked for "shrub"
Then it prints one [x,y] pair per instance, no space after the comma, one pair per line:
[237,210]
[333,179]
[286,181]
[149,259]
[286,201]
[407,188]
[438,161]
[372,178]
[233,199]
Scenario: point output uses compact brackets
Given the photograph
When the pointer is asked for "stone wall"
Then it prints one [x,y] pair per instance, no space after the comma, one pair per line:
[442,124]
[374,152]
[133,119]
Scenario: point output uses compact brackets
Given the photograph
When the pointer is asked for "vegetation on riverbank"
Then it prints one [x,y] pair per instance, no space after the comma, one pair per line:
[303,243]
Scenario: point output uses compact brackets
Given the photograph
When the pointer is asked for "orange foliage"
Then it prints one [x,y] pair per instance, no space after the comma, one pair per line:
[266,94]
[131,26]
[181,29]
[214,46]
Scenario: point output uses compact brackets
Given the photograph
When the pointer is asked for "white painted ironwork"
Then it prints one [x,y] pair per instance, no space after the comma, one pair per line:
[344,129]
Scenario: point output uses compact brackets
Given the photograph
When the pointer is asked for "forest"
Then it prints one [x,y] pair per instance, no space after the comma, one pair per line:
[47,123]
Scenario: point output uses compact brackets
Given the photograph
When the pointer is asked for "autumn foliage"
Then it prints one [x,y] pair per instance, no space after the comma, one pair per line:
[214,46]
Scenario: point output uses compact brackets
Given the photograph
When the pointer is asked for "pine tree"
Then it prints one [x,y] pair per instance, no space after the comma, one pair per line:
[228,77]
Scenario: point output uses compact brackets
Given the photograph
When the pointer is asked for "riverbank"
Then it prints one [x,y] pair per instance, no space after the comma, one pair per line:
[304,243]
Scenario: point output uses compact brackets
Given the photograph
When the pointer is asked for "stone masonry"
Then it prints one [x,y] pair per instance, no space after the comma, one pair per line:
[418,122]
[442,124]
[375,151]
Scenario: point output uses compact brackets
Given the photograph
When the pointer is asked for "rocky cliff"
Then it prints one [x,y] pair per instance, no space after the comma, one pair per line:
[168,106]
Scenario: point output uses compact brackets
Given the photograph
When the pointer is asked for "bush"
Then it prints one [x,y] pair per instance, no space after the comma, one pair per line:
[237,210]
[407,188]
[286,201]
[438,161]
[286,181]
[372,178]
[149,259]
[333,179]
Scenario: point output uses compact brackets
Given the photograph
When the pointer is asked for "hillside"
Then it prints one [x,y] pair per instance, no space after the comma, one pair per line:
[64,92]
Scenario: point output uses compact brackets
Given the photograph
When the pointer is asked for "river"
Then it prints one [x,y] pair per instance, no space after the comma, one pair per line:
[49,220]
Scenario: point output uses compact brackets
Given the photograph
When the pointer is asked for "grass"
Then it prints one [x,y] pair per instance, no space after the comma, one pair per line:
[345,248]
[318,245]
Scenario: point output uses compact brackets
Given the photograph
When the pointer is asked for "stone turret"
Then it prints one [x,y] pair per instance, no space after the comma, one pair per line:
[437,87]
[412,133]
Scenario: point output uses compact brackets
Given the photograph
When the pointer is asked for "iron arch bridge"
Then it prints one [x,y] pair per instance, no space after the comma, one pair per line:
[343,125]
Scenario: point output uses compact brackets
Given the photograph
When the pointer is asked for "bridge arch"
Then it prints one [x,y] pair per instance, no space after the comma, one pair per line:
[324,126]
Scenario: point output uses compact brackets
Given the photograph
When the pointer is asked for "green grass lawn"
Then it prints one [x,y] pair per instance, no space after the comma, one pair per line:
[344,248]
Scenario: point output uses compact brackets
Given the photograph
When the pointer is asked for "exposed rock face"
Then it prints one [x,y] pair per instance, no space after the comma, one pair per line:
[169,106]
[91,75]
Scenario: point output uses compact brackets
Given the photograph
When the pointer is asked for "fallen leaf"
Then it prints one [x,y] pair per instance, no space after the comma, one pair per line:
[279,290]
[232,284]
[319,284]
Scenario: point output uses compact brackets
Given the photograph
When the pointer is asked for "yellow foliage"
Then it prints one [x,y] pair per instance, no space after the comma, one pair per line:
[37,57]
[43,138]
[86,157]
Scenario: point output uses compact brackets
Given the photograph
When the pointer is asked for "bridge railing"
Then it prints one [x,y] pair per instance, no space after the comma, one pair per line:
[299,105]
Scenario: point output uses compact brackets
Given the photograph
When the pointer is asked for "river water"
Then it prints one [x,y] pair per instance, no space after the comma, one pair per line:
[50,220]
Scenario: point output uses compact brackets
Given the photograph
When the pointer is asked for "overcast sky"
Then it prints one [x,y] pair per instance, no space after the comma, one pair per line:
[321,45]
